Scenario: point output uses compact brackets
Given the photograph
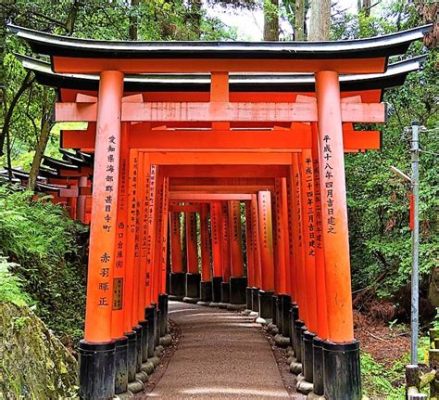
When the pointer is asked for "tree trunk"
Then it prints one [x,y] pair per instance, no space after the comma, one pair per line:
[365,6]
[271,20]
[429,11]
[195,16]
[133,34]
[320,20]
[46,126]
[299,20]
[27,82]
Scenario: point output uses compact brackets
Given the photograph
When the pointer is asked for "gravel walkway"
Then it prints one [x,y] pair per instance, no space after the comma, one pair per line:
[221,355]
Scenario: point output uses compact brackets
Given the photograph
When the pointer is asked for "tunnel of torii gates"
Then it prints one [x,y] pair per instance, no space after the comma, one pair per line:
[205,130]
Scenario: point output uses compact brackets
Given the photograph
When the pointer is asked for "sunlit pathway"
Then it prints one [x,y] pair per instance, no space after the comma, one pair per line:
[221,355]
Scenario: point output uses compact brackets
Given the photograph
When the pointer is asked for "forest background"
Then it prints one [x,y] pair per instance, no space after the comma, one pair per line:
[43,253]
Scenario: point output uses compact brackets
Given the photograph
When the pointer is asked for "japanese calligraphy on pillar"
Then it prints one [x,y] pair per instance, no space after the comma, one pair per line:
[164,225]
[309,206]
[327,175]
[318,204]
[150,220]
[121,225]
[108,221]
[298,206]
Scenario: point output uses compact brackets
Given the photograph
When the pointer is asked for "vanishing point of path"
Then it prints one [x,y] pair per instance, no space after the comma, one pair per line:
[221,355]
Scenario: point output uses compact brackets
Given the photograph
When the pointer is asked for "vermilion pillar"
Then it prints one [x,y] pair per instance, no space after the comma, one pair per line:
[256,253]
[322,312]
[151,203]
[250,249]
[117,317]
[164,234]
[238,281]
[130,309]
[98,339]
[193,278]
[342,367]
[284,296]
[225,246]
[177,277]
[215,224]
[206,271]
[308,231]
[163,249]
[267,262]
[300,313]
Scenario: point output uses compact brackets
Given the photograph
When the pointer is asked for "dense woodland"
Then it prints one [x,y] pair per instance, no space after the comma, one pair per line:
[43,253]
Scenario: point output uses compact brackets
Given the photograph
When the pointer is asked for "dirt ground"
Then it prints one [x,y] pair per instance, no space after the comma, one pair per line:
[386,344]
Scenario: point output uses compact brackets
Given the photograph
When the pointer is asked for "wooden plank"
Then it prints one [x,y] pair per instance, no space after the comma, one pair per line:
[220,112]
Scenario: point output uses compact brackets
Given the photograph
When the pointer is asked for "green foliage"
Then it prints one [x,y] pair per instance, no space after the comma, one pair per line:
[11,287]
[46,246]
[378,205]
[380,382]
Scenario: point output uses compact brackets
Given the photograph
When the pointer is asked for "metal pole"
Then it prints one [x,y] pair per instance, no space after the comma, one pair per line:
[415,244]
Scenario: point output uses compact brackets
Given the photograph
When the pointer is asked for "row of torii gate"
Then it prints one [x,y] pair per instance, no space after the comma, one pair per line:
[228,132]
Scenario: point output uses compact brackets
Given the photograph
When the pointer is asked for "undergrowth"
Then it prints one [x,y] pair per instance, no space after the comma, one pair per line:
[47,251]
[381,382]
[11,287]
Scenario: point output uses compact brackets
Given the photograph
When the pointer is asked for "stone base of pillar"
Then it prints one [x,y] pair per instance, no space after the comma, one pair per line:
[151,317]
[284,322]
[237,291]
[225,294]
[307,354]
[265,300]
[248,298]
[216,291]
[297,339]
[163,307]
[132,355]
[294,316]
[274,315]
[255,300]
[192,288]
[139,336]
[205,293]
[341,363]
[145,333]
[96,370]
[121,365]
[177,285]
[317,374]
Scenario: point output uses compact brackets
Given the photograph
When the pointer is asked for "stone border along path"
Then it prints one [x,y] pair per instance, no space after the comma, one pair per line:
[220,355]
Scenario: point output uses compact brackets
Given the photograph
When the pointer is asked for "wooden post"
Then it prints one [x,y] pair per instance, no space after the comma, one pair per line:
[216,224]
[342,364]
[193,277]
[98,335]
[267,261]
[177,277]
[237,266]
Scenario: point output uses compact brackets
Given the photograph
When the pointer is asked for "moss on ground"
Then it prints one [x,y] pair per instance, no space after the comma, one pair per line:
[33,362]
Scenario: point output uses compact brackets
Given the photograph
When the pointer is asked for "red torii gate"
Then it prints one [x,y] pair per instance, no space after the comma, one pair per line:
[315,182]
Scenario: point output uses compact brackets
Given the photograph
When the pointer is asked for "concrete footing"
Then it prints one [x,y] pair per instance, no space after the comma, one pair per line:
[192,287]
[265,300]
[237,294]
[205,293]
[177,285]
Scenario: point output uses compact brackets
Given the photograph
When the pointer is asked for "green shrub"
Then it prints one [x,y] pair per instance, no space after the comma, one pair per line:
[48,250]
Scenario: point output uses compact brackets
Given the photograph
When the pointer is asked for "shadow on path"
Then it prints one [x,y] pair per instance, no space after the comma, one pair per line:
[221,355]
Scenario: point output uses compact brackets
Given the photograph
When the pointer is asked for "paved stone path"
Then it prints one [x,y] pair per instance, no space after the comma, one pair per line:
[221,355]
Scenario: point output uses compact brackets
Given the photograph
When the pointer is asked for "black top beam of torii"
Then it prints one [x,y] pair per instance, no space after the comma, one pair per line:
[380,46]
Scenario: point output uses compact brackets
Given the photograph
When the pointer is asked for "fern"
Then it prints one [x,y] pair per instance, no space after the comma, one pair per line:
[11,287]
